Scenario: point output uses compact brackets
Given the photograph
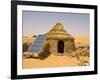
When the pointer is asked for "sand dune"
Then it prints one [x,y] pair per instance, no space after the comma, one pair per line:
[28,38]
[82,39]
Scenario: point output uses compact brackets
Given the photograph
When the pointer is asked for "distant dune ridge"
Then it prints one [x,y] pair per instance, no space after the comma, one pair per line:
[82,39]
[28,38]
[78,39]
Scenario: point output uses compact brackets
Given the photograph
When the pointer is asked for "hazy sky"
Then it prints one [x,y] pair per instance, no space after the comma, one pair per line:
[41,22]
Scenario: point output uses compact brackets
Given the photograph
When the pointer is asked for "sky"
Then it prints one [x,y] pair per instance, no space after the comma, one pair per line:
[36,22]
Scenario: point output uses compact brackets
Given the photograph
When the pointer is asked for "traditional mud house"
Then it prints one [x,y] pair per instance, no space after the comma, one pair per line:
[60,41]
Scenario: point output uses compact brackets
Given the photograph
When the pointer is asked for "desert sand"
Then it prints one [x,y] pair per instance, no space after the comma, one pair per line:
[57,61]
[28,38]
[52,61]
[82,39]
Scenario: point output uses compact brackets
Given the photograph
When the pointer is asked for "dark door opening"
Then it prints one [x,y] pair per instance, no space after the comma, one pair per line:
[60,46]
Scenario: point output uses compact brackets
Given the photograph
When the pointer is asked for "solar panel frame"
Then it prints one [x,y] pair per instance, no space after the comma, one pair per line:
[37,44]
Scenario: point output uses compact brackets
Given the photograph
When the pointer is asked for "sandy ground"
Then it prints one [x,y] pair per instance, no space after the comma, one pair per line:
[56,61]
[52,61]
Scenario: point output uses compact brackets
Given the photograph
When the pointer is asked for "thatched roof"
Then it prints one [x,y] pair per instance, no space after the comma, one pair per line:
[58,32]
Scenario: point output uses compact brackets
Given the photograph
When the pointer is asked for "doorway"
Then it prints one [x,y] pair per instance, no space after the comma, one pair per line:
[60,46]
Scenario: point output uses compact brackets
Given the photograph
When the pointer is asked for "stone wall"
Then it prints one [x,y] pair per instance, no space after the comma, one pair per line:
[53,45]
[69,45]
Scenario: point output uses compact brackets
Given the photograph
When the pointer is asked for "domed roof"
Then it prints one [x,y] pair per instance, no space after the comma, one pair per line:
[58,32]
[58,26]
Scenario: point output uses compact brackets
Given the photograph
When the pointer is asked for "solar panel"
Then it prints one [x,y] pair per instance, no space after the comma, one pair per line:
[36,46]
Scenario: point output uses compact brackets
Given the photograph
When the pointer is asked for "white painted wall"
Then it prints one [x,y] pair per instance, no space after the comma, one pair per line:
[5,29]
